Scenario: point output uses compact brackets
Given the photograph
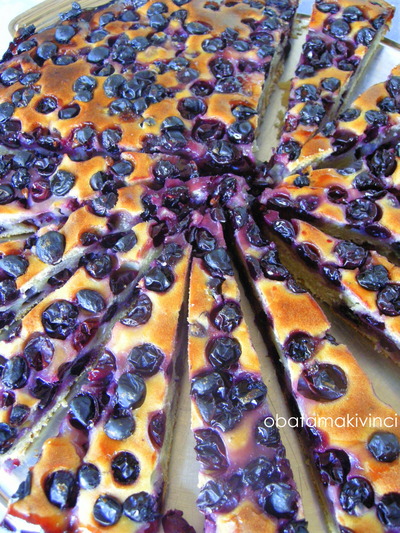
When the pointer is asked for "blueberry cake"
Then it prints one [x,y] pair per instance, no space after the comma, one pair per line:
[245,478]
[342,37]
[157,78]
[372,119]
[357,206]
[359,467]
[360,284]
[106,466]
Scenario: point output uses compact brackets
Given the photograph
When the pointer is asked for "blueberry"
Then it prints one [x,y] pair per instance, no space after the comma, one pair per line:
[125,468]
[89,476]
[146,359]
[248,393]
[258,473]
[223,153]
[218,262]
[131,390]
[352,13]
[351,255]
[83,410]
[361,210]
[266,432]
[46,50]
[306,93]
[300,347]
[241,132]
[20,179]
[330,84]
[172,123]
[350,114]
[98,54]
[227,317]
[393,86]
[15,373]
[388,300]
[279,500]
[24,489]
[19,413]
[64,60]
[224,352]
[110,139]
[384,446]
[10,75]
[14,265]
[64,34]
[323,383]
[50,247]
[90,300]
[389,509]
[291,148]
[8,291]
[43,391]
[39,351]
[121,278]
[213,497]
[62,182]
[356,492]
[305,71]
[297,526]
[368,182]
[365,36]
[388,105]
[187,75]
[191,107]
[156,429]
[61,489]
[208,383]
[6,111]
[8,435]
[107,511]
[119,426]
[85,83]
[83,135]
[59,319]
[140,313]
[210,450]
[213,45]
[202,241]
[312,114]
[22,97]
[333,465]
[373,278]
[98,266]
[197,28]
[221,68]
[141,507]
[327,7]
[159,278]
[382,162]
[339,28]
[69,112]
[376,118]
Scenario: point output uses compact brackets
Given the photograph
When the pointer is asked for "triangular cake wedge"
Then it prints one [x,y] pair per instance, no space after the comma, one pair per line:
[359,464]
[245,478]
[361,285]
[371,120]
[113,444]
[180,81]
[341,39]
[356,206]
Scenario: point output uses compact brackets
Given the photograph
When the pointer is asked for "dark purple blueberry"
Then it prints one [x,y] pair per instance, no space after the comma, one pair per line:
[266,432]
[9,76]
[228,85]
[191,107]
[131,390]
[89,476]
[300,347]
[110,139]
[388,300]
[85,83]
[15,373]
[271,266]
[384,446]
[141,507]
[221,68]
[298,526]
[382,162]
[365,36]
[24,489]
[223,152]
[119,426]
[62,182]
[210,449]
[157,429]
[19,413]
[333,465]
[7,194]
[350,114]
[198,28]
[393,86]
[125,468]
[219,262]
[64,34]
[285,230]
[355,493]
[224,352]
[376,118]
[83,410]
[302,181]
[373,278]
[59,319]
[213,45]
[61,489]
[50,247]
[351,255]
[140,313]
[243,112]
[290,148]
[279,500]
[102,204]
[389,509]
[146,359]
[306,93]
[322,383]
[332,273]
[227,317]
[241,132]
[339,28]
[312,114]
[98,54]
[214,496]
[353,13]
[366,182]
[46,105]
[187,75]
[22,97]
[309,253]
[327,7]
[14,265]
[258,473]
[107,511]
[330,84]
[121,278]
[43,391]
[202,241]
[20,179]
[159,278]
[8,435]
[209,383]
[8,291]
[90,300]
[103,369]
[388,105]
[305,71]
[98,266]
[248,393]
[39,351]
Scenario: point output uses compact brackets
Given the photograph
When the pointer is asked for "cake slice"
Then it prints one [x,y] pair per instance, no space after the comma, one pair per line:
[371,120]
[358,462]
[356,206]
[359,284]
[342,37]
[106,467]
[245,479]
[159,79]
